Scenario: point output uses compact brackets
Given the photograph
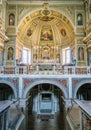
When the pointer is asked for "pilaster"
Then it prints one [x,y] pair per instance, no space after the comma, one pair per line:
[70,87]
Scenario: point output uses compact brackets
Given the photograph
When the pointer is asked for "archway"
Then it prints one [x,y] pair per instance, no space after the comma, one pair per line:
[82,87]
[38,30]
[84,92]
[45,103]
[48,81]
[7,92]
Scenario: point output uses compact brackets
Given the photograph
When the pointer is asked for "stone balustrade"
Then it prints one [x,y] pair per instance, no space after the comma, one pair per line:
[49,69]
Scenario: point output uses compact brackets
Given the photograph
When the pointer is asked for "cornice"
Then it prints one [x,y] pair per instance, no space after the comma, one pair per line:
[87,38]
[3,36]
[58,2]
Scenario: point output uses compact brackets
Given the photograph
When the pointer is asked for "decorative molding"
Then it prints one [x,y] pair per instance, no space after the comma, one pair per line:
[27,82]
[75,81]
[13,81]
[64,82]
[51,2]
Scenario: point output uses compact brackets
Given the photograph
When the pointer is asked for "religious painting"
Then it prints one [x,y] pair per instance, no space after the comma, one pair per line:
[79,19]
[63,32]
[46,52]
[80,53]
[29,32]
[46,34]
[10,53]
[11,19]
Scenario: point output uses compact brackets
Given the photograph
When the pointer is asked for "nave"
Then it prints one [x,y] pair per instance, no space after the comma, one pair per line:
[38,116]
[58,123]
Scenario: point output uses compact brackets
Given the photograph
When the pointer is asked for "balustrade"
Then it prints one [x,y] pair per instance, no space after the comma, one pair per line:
[56,69]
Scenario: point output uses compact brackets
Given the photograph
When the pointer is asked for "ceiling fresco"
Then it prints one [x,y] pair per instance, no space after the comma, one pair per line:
[45,26]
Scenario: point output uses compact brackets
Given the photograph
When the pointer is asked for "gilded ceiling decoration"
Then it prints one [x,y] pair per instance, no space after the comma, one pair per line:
[45,25]
[46,18]
[45,13]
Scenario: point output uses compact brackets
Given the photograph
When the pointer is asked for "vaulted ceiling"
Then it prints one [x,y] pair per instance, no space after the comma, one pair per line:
[45,21]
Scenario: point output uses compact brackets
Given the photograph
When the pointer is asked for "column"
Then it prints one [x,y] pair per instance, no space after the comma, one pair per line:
[54,68]
[20,87]
[7,119]
[81,120]
[1,57]
[37,68]
[23,107]
[70,87]
[2,121]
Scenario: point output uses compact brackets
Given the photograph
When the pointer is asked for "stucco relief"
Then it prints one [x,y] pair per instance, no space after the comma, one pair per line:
[64,82]
[23,11]
[13,81]
[75,81]
[30,83]
[27,82]
[68,12]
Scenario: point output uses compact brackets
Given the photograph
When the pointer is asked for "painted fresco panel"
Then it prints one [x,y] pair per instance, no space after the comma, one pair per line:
[46,34]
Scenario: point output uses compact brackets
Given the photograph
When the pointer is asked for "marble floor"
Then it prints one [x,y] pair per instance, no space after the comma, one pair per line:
[58,123]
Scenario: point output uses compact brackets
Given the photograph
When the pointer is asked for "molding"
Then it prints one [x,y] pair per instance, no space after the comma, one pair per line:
[87,38]
[37,2]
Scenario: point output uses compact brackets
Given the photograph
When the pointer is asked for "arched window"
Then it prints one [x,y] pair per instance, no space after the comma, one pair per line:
[12,19]
[79,19]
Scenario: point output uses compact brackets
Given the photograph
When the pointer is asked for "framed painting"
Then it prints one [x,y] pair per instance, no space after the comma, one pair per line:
[10,53]
[81,52]
[46,34]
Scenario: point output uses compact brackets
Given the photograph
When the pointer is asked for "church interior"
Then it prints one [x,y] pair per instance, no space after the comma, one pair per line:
[45,65]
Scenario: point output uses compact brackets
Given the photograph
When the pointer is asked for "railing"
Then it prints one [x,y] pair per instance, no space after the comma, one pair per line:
[52,69]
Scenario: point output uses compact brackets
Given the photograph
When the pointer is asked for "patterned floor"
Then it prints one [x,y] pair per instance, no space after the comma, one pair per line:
[53,124]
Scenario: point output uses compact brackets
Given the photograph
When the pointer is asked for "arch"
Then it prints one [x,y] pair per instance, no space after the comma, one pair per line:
[34,21]
[59,26]
[79,85]
[56,83]
[11,19]
[79,19]
[30,16]
[11,85]
[38,10]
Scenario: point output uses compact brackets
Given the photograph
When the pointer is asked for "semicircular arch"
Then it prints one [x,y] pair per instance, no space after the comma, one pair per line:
[59,85]
[30,27]
[10,85]
[36,13]
[79,85]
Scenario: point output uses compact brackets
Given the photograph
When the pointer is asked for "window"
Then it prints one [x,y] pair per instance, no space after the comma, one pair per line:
[26,57]
[66,56]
